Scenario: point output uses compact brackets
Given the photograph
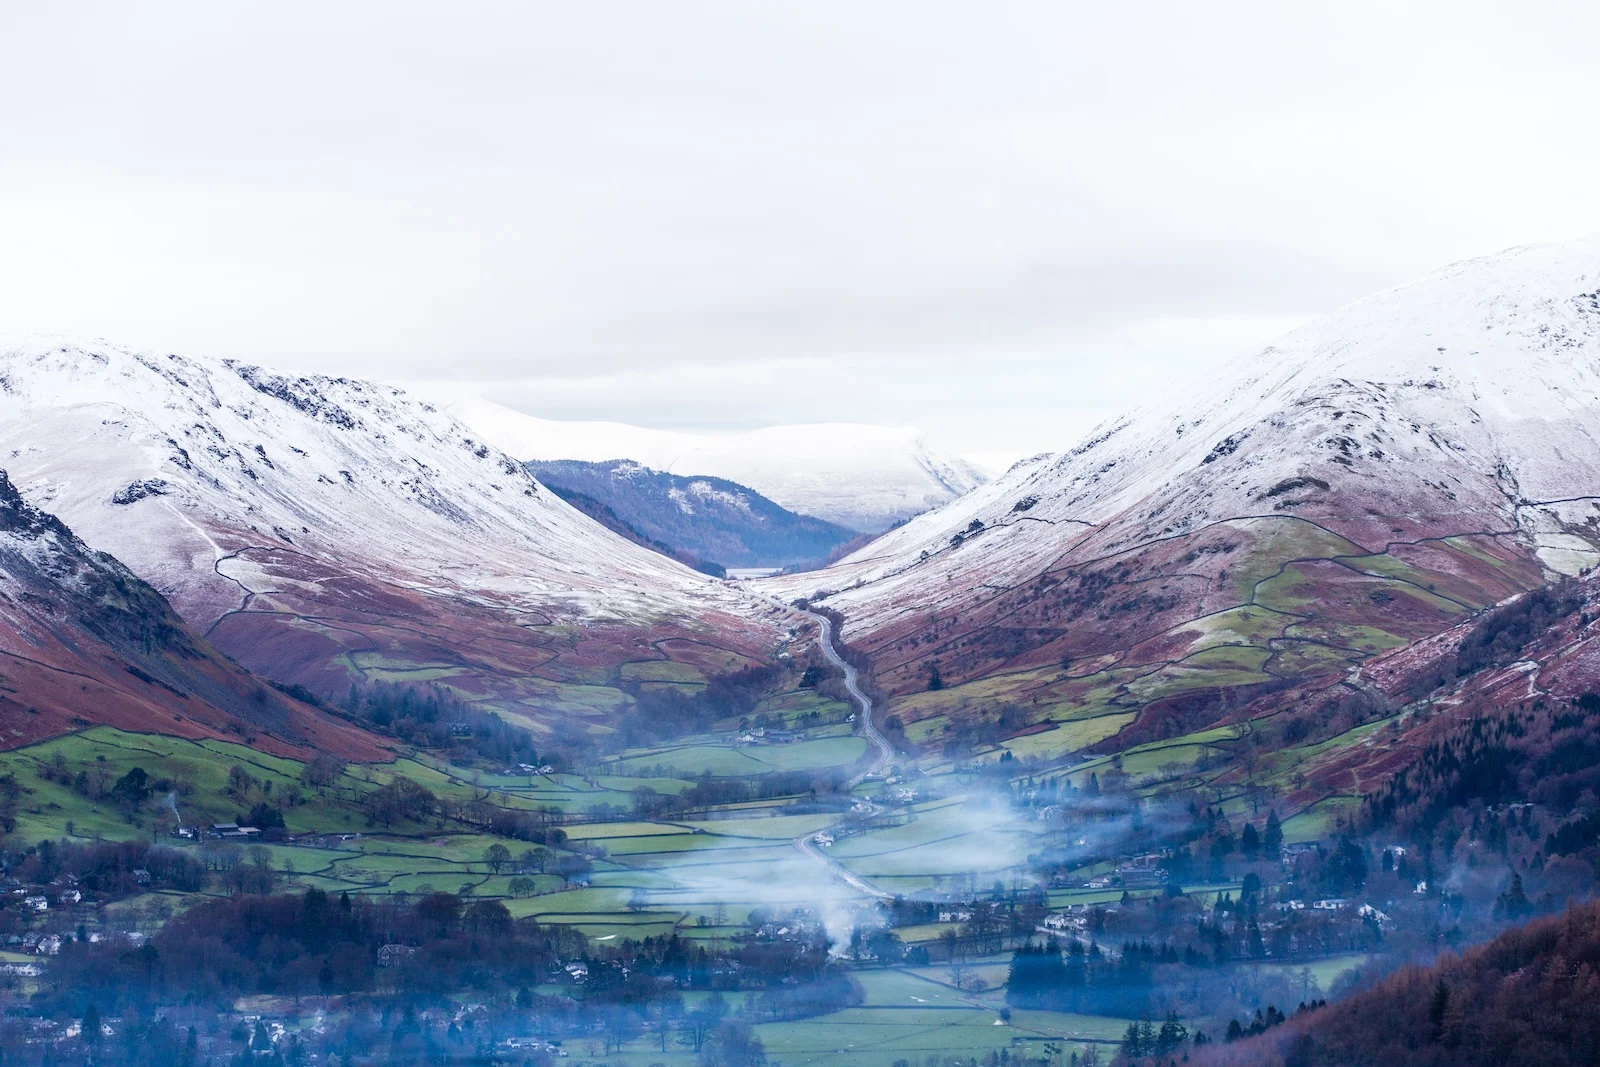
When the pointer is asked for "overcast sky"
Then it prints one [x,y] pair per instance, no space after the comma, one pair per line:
[999,222]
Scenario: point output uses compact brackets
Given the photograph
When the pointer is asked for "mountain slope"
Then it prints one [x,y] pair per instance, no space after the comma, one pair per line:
[712,518]
[865,478]
[326,531]
[1527,997]
[84,641]
[1364,482]
[602,513]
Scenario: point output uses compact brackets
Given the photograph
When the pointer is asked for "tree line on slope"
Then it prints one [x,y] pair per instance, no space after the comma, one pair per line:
[1527,997]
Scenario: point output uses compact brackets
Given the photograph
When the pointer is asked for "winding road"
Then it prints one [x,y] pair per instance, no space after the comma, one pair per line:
[852,683]
[807,843]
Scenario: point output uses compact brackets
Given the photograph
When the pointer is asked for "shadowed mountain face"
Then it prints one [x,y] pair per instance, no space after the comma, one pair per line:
[1366,482]
[329,532]
[83,641]
[711,518]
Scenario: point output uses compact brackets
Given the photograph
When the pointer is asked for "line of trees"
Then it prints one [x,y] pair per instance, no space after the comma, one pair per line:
[434,718]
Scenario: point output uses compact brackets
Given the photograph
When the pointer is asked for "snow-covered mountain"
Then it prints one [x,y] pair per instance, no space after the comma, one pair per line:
[865,478]
[1362,482]
[324,530]
[84,640]
[715,520]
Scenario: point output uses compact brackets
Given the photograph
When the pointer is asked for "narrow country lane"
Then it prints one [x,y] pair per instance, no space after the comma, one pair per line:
[807,843]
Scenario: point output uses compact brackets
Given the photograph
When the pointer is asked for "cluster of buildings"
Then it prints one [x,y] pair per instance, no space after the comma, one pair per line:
[534,1044]
[1136,872]
[1063,923]
[61,892]
[763,736]
[43,943]
[34,943]
[55,909]
[228,831]
[796,926]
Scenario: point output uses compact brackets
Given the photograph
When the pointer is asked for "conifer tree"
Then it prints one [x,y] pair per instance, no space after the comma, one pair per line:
[1272,840]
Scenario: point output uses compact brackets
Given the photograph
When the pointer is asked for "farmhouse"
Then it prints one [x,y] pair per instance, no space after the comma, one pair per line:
[1141,870]
[41,944]
[389,955]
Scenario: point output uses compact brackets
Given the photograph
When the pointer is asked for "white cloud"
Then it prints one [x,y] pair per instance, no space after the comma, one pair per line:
[999,222]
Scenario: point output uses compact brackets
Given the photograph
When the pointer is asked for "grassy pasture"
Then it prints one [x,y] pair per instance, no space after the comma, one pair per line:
[678,874]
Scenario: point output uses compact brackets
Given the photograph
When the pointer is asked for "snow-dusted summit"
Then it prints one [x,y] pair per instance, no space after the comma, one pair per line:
[862,477]
[1449,426]
[323,528]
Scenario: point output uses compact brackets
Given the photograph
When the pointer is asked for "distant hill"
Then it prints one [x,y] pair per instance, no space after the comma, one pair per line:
[865,477]
[603,514]
[690,517]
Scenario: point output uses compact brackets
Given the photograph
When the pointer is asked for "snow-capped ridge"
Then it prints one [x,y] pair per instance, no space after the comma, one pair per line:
[179,465]
[1466,401]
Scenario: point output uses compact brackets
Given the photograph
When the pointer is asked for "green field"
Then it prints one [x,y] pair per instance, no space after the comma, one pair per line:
[702,873]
